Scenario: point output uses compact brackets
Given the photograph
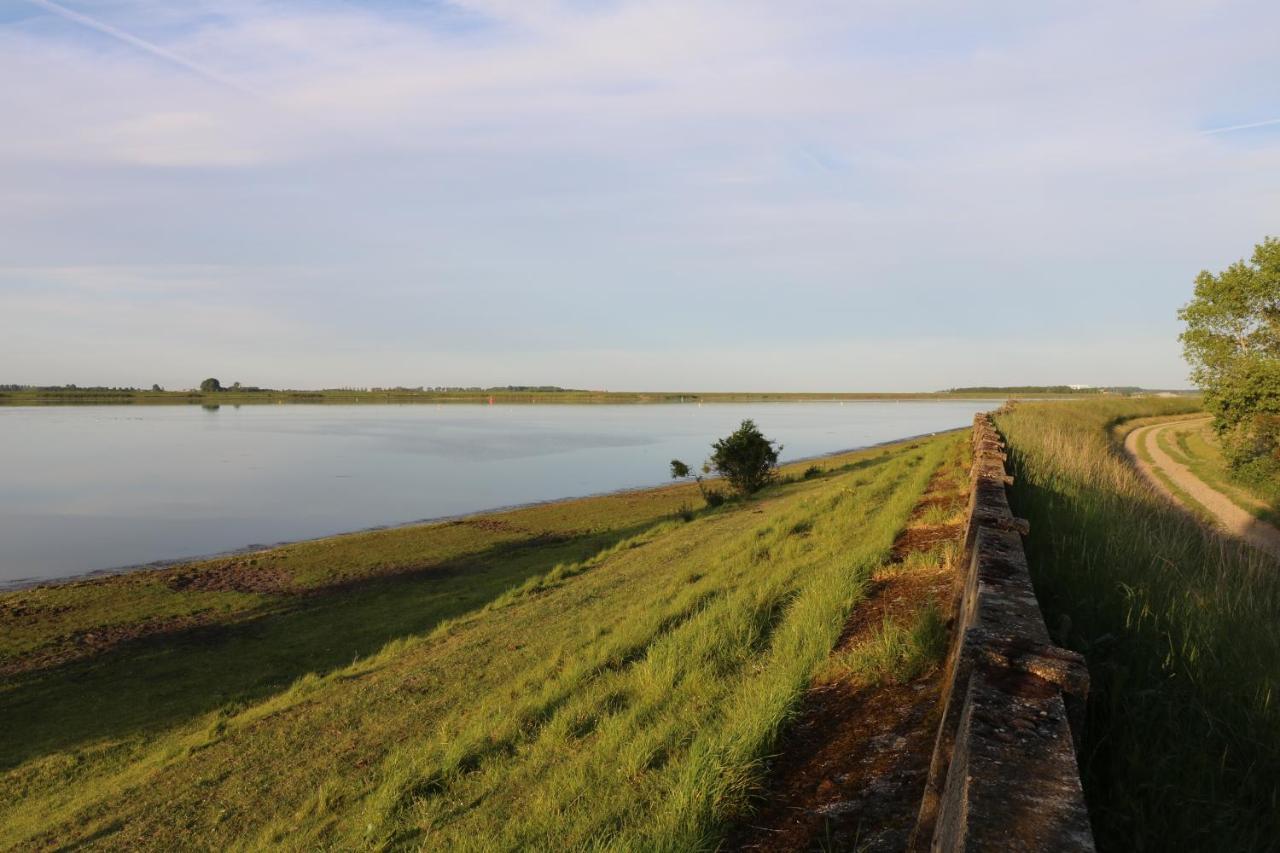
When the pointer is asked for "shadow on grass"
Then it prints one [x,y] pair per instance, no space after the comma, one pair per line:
[1175,755]
[161,682]
[785,483]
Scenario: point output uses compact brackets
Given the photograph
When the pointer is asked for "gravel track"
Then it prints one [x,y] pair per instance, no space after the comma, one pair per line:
[1230,517]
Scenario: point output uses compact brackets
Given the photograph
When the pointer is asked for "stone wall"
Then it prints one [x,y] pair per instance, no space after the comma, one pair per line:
[1003,774]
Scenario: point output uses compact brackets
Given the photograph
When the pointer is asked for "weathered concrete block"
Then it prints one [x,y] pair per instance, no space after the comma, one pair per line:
[1003,774]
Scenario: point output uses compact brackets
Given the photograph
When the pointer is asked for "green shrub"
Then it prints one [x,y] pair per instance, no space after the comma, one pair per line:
[746,458]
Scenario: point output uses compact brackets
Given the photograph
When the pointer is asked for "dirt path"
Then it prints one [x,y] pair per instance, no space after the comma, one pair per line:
[1231,517]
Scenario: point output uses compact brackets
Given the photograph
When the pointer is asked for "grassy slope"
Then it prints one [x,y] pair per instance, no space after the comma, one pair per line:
[1181,629]
[622,690]
[518,543]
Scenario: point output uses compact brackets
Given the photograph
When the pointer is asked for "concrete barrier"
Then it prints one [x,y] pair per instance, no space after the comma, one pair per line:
[1003,774]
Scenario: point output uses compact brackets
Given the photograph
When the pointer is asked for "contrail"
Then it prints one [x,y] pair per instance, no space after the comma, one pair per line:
[1230,128]
[141,44]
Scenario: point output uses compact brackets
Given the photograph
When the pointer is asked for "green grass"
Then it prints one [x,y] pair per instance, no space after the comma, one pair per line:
[616,686]
[897,653]
[1181,629]
[506,546]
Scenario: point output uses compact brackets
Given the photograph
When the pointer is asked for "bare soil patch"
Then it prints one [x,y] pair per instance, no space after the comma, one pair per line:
[86,644]
[924,539]
[241,575]
[851,769]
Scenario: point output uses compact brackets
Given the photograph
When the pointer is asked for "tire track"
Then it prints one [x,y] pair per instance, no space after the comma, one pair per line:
[1230,517]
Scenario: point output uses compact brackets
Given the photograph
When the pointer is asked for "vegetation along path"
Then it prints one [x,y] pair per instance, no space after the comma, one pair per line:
[1180,482]
[1181,743]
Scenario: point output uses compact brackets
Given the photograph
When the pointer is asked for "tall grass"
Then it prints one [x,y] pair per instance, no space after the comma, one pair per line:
[679,707]
[899,652]
[1181,629]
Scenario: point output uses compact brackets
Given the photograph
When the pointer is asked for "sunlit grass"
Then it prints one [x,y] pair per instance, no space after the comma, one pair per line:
[620,691]
[896,652]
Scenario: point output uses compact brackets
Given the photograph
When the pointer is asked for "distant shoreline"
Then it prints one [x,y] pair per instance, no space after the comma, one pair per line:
[125,397]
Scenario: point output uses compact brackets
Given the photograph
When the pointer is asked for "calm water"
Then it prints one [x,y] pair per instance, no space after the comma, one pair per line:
[87,488]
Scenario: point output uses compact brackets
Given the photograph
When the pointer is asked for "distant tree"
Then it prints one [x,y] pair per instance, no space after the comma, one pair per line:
[1232,341]
[210,385]
[746,458]
[235,386]
[156,387]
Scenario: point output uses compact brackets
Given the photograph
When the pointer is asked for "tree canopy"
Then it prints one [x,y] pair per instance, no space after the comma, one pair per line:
[746,458]
[210,384]
[1232,341]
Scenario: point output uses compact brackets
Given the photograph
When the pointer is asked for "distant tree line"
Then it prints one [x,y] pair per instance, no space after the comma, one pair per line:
[1035,389]
[499,388]
[475,389]
[213,385]
[72,387]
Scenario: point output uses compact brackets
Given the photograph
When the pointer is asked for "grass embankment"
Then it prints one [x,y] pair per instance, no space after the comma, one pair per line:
[851,769]
[1181,628]
[587,673]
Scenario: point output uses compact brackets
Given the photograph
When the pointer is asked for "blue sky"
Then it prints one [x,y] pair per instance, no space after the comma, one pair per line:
[683,195]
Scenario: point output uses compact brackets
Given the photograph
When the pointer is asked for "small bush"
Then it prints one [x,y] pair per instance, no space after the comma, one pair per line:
[685,512]
[812,471]
[746,459]
[714,498]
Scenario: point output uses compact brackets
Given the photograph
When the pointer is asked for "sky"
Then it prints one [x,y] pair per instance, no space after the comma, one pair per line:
[667,194]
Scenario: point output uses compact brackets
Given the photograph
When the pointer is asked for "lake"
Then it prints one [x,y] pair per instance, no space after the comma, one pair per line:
[104,487]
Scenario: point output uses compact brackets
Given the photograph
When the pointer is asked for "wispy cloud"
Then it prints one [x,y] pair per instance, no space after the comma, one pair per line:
[1249,126]
[142,44]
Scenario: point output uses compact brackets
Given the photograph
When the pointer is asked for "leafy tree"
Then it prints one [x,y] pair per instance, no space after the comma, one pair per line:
[746,458]
[1232,341]
[210,384]
[156,387]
